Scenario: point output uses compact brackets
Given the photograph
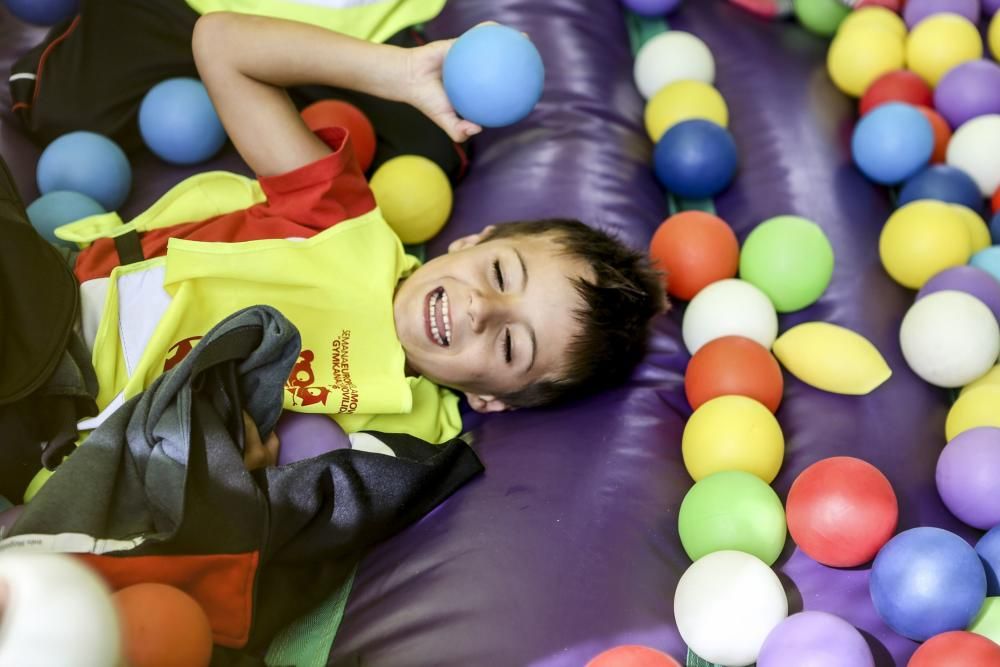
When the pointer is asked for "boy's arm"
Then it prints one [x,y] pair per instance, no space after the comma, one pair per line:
[247,61]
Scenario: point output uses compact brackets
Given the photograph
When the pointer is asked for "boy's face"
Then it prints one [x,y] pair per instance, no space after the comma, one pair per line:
[489,319]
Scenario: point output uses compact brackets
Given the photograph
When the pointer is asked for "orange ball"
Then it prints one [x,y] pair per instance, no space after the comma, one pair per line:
[632,656]
[942,133]
[734,365]
[334,113]
[163,626]
[695,249]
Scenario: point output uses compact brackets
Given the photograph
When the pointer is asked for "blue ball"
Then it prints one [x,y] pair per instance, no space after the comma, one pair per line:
[88,163]
[695,159]
[892,142]
[988,548]
[493,75]
[43,12]
[995,228]
[60,207]
[178,122]
[944,183]
[988,259]
[926,581]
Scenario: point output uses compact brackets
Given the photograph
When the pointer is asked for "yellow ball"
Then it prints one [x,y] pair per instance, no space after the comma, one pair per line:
[684,100]
[922,239]
[862,54]
[414,195]
[978,407]
[991,377]
[940,42]
[733,433]
[875,17]
[979,233]
[993,36]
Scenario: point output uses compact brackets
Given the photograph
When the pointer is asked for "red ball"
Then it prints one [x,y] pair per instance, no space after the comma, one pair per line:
[841,511]
[942,134]
[163,626]
[891,5]
[956,649]
[897,86]
[733,365]
[632,656]
[695,249]
[334,113]
[995,202]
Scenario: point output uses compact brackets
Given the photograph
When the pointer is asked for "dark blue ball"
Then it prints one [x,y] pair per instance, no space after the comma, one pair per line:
[43,12]
[995,228]
[988,548]
[944,183]
[695,159]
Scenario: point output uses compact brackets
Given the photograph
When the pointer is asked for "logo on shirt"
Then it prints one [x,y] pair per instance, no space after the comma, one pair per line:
[340,368]
[178,351]
[300,382]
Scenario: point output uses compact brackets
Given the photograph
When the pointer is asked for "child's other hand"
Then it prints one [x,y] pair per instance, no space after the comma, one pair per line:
[424,65]
[256,453]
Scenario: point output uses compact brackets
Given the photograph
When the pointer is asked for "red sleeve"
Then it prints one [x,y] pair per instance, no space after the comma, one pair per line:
[299,203]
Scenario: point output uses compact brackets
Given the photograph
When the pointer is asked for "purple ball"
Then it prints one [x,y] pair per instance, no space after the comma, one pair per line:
[815,639]
[652,7]
[917,10]
[968,476]
[990,7]
[968,90]
[303,436]
[970,280]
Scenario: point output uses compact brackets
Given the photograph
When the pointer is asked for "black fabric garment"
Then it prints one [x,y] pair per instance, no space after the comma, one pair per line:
[99,65]
[165,473]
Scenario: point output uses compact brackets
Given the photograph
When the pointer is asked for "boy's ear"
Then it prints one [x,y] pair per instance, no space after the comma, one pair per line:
[470,240]
[485,403]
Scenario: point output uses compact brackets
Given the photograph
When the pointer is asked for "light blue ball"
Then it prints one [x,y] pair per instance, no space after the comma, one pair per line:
[944,183]
[695,159]
[493,75]
[88,163]
[988,548]
[178,122]
[892,142]
[43,12]
[60,207]
[988,259]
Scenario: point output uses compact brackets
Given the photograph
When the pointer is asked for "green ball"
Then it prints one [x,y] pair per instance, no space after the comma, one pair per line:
[987,621]
[732,510]
[822,17]
[789,259]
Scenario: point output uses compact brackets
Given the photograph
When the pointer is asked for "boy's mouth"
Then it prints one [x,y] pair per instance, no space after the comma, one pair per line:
[437,318]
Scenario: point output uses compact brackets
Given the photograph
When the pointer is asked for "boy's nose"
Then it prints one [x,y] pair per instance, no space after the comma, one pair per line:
[484,309]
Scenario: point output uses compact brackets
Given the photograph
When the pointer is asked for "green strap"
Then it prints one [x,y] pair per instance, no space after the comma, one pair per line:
[307,641]
[694,661]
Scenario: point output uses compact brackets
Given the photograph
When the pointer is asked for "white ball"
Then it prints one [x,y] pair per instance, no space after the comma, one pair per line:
[57,612]
[672,56]
[949,338]
[725,606]
[975,149]
[729,307]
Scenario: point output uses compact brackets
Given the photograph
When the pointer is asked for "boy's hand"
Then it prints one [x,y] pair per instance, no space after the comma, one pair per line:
[256,453]
[426,89]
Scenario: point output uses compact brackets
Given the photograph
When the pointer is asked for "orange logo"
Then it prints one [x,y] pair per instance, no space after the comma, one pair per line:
[181,349]
[300,380]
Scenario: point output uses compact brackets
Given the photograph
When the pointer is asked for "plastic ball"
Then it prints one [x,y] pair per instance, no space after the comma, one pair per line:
[652,7]
[988,550]
[815,639]
[43,12]
[940,43]
[57,612]
[725,606]
[684,100]
[414,195]
[969,90]
[875,17]
[733,433]
[990,7]
[949,338]
[897,86]
[975,149]
[942,134]
[632,656]
[493,75]
[163,626]
[944,183]
[733,366]
[921,239]
[987,621]
[968,476]
[988,260]
[979,233]
[970,280]
[695,159]
[732,511]
[989,379]
[694,249]
[178,122]
[57,208]
[841,511]
[831,358]
[304,436]
[916,11]
[892,142]
[972,409]
[336,113]
[822,17]
[995,228]
[672,56]
[790,259]
[859,56]
[729,308]
[87,163]
[993,36]
[956,649]
[893,5]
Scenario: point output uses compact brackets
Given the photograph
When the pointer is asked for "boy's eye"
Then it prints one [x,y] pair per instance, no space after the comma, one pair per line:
[499,274]
[507,348]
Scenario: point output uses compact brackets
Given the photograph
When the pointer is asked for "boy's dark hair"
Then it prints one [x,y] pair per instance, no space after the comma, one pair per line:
[618,306]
